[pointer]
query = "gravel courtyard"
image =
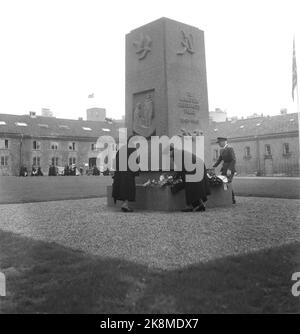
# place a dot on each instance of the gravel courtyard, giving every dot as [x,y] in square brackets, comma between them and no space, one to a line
[157,239]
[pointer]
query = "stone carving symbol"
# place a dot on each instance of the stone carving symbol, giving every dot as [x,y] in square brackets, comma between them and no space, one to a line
[143,116]
[187,43]
[143,46]
[144,113]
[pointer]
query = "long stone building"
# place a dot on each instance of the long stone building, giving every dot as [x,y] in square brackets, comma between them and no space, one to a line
[264,145]
[39,141]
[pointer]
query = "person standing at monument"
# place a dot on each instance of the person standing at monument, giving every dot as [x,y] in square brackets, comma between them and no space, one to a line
[124,188]
[227,155]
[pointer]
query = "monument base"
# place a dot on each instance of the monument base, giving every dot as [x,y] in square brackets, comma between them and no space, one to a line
[161,199]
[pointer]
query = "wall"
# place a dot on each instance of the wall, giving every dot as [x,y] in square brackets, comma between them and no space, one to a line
[82,153]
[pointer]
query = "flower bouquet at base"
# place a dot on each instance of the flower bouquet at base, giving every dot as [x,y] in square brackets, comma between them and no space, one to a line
[174,181]
[216,180]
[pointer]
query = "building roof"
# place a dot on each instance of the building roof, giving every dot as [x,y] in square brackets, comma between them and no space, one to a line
[41,126]
[258,126]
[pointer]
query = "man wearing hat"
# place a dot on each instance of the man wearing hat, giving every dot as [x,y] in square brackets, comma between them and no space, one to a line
[228,157]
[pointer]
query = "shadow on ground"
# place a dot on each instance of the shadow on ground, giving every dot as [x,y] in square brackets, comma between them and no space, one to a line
[49,278]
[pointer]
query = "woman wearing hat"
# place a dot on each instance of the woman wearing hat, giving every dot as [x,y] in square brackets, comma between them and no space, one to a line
[124,188]
[227,155]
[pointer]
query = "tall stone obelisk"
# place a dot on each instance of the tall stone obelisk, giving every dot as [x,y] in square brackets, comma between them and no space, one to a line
[166,86]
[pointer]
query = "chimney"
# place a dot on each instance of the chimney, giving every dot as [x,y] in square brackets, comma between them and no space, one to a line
[46,112]
[283,111]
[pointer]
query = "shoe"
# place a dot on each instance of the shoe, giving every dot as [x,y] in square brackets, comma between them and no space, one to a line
[188,209]
[200,208]
[126,209]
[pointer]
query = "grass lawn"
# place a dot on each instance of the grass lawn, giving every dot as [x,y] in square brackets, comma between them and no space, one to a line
[49,278]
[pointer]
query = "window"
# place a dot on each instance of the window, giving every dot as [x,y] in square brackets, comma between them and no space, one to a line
[2,123]
[247,152]
[4,144]
[66,127]
[36,145]
[86,128]
[268,149]
[72,146]
[216,154]
[43,125]
[105,129]
[54,146]
[36,161]
[93,147]
[4,160]
[72,161]
[55,161]
[286,149]
[21,124]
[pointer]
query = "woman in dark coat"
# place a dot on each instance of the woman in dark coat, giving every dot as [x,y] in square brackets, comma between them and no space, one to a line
[124,182]
[196,192]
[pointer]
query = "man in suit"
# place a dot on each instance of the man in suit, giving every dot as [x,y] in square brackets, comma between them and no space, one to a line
[227,155]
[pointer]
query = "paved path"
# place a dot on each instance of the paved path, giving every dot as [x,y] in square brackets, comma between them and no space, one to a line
[161,240]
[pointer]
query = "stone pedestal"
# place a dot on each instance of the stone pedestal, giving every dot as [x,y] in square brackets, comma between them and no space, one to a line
[161,199]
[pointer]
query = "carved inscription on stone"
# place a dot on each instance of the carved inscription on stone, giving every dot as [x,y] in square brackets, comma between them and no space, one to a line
[189,109]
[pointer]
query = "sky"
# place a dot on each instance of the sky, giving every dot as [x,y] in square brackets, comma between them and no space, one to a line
[55,53]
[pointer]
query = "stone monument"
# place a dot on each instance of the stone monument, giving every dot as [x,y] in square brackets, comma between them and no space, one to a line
[166,87]
[166,91]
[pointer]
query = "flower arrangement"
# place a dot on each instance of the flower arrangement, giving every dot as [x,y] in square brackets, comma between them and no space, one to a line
[164,180]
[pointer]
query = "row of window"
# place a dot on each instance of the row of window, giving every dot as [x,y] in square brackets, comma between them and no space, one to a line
[36,145]
[268,151]
[36,161]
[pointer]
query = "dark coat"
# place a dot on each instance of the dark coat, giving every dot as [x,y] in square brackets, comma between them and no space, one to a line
[124,181]
[194,191]
[228,157]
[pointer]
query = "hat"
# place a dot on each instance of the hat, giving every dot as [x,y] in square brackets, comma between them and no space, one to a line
[221,139]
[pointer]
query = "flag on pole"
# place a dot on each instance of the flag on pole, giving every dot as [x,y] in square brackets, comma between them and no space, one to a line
[294,83]
[91,96]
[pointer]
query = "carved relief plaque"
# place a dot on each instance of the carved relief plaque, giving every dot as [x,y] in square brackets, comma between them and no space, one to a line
[144,113]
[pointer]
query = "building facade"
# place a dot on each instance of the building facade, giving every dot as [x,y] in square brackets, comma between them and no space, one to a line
[263,145]
[37,141]
[266,146]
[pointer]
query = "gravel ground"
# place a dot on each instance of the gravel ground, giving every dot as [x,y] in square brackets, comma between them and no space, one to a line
[157,239]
